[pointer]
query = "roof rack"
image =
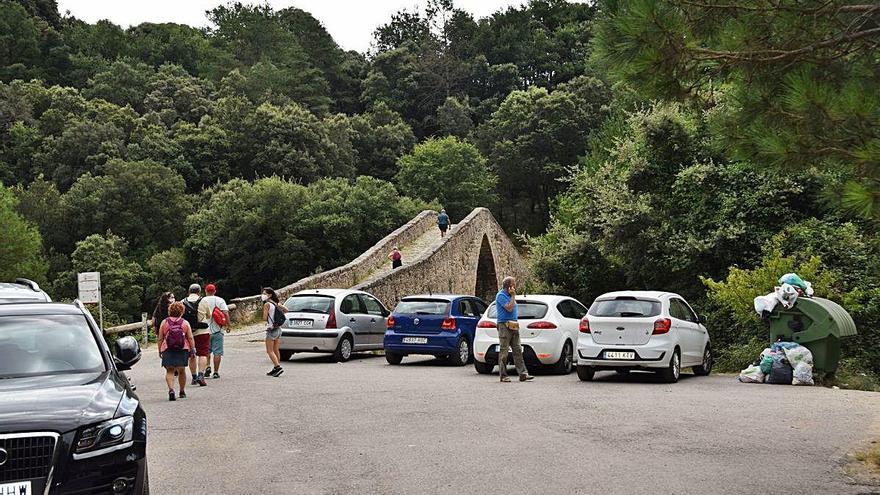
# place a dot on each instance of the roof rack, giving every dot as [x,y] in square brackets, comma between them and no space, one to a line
[30,283]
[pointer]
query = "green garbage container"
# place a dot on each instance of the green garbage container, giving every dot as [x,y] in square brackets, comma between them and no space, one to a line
[817,324]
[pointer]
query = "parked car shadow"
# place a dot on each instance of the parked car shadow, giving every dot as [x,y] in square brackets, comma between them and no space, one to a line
[635,377]
[315,357]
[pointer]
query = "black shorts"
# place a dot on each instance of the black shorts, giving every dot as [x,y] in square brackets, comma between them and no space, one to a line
[443,228]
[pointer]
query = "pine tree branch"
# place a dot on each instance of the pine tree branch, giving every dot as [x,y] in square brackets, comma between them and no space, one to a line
[779,55]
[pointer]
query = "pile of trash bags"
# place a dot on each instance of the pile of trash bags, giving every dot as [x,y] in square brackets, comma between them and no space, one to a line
[783,363]
[791,286]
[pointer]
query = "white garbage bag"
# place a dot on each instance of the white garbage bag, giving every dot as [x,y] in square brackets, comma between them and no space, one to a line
[752,374]
[787,295]
[766,303]
[810,291]
[799,354]
[803,374]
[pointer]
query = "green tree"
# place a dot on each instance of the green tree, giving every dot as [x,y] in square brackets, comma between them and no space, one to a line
[143,201]
[122,278]
[532,141]
[454,119]
[380,137]
[791,83]
[21,249]
[449,171]
[165,272]
[122,83]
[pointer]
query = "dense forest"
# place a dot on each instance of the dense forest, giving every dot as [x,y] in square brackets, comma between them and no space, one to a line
[700,148]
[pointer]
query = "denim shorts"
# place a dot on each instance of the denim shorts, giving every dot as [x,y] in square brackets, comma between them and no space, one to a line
[273,333]
[217,344]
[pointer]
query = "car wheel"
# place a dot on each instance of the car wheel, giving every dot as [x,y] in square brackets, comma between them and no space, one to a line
[708,360]
[460,358]
[586,373]
[393,357]
[671,373]
[343,349]
[285,355]
[483,368]
[566,360]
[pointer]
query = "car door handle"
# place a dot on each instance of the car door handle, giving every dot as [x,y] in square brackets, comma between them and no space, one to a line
[372,320]
[621,328]
[352,320]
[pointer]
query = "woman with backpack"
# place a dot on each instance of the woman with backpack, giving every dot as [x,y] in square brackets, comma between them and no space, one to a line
[176,344]
[274,317]
[161,311]
[396,258]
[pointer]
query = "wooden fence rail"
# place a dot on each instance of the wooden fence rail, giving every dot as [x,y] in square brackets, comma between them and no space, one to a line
[144,326]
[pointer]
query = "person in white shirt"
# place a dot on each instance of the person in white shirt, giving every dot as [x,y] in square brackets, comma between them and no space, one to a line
[206,312]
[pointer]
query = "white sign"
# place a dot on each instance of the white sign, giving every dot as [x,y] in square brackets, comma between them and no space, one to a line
[90,287]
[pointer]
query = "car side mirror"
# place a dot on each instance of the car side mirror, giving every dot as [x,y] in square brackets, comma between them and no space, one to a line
[128,353]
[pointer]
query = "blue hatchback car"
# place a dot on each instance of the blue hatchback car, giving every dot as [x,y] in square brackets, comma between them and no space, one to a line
[438,325]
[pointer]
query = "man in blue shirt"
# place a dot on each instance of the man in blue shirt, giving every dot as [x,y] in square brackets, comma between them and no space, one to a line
[443,222]
[508,331]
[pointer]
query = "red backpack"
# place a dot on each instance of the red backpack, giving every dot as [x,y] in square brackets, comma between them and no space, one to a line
[175,335]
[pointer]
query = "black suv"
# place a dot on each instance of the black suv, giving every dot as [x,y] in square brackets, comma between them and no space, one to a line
[69,420]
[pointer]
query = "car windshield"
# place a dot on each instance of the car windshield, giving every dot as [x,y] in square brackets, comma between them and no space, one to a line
[47,345]
[310,303]
[528,310]
[625,307]
[422,307]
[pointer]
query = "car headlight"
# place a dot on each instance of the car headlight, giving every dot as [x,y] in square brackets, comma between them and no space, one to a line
[104,435]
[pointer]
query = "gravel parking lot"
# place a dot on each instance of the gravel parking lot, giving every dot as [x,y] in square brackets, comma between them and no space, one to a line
[425,427]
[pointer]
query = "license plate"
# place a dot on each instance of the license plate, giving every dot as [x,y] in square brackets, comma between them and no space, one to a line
[301,323]
[625,356]
[19,488]
[415,340]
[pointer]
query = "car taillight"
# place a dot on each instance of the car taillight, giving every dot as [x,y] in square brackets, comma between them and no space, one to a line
[584,326]
[390,322]
[331,320]
[486,324]
[542,325]
[448,324]
[662,326]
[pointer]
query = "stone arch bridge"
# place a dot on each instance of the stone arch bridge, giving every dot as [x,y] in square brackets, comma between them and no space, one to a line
[472,259]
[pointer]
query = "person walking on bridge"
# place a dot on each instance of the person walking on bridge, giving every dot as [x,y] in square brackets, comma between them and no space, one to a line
[396,258]
[508,331]
[214,310]
[443,222]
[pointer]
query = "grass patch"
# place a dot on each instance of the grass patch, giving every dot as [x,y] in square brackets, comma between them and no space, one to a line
[736,358]
[853,377]
[870,456]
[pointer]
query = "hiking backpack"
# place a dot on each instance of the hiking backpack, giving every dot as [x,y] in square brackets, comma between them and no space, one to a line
[175,336]
[278,316]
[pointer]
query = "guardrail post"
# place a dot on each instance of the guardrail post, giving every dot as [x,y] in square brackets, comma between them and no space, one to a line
[145,327]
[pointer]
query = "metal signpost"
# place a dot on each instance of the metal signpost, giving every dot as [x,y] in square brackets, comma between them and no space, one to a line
[90,292]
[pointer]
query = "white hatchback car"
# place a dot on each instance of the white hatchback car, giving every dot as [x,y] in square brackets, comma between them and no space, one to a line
[548,332]
[640,330]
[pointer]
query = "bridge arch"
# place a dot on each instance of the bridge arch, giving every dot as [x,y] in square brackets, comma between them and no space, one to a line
[486,283]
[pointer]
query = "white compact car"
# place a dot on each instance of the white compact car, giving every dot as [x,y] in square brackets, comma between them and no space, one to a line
[548,327]
[639,330]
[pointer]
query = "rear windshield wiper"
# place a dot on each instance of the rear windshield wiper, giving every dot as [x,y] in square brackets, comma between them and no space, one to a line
[630,314]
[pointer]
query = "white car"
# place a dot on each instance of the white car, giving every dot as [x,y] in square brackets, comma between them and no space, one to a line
[640,330]
[548,327]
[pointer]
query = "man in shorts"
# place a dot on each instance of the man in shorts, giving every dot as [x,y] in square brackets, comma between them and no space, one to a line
[206,313]
[201,335]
